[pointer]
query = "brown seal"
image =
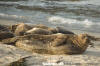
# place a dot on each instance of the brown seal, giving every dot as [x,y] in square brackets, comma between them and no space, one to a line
[63,30]
[55,43]
[38,31]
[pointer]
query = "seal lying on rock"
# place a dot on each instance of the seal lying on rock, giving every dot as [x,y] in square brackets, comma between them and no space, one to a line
[39,31]
[63,30]
[53,44]
[44,30]
[21,29]
[55,30]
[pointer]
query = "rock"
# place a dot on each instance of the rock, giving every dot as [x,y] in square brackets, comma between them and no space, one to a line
[5,32]
[20,62]
[4,28]
[5,35]
[91,55]
[21,29]
[54,44]
[10,41]
[34,60]
[9,54]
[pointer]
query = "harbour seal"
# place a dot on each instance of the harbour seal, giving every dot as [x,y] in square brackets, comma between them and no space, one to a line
[38,31]
[63,30]
[54,43]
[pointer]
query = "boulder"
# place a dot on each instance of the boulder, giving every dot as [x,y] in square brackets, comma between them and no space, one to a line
[4,28]
[5,32]
[13,56]
[10,54]
[5,35]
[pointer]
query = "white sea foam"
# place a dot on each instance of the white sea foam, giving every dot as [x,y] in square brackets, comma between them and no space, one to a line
[61,20]
[9,3]
[11,16]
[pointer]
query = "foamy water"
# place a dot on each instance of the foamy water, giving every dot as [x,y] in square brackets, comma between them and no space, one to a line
[61,20]
[79,15]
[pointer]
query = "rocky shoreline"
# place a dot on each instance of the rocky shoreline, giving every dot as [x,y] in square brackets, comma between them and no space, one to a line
[41,40]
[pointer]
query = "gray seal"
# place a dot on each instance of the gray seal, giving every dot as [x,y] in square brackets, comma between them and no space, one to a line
[63,30]
[38,31]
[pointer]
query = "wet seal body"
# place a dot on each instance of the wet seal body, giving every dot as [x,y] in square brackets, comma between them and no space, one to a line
[39,31]
[53,44]
[63,30]
[45,40]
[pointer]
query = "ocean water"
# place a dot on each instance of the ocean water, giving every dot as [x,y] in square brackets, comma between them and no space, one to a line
[72,14]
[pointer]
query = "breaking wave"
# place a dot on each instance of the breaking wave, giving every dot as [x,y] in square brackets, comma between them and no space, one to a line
[7,16]
[60,20]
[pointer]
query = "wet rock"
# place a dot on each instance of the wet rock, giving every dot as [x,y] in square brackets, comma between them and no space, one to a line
[4,28]
[34,60]
[9,54]
[10,41]
[12,56]
[5,35]
[20,62]
[5,32]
